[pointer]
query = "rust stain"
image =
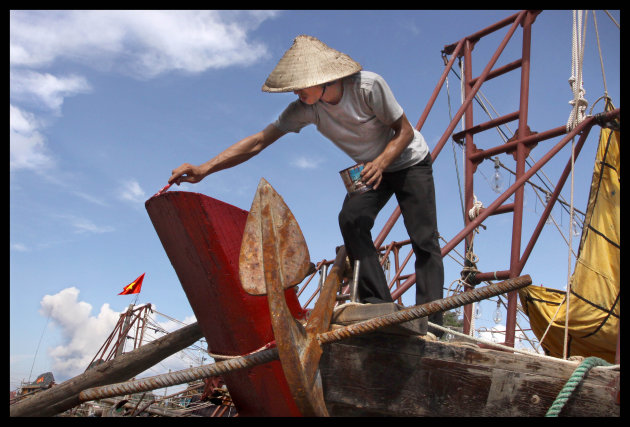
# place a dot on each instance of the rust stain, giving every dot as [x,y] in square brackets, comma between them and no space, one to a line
[289,244]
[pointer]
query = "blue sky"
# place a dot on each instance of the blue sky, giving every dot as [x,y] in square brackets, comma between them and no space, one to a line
[104,104]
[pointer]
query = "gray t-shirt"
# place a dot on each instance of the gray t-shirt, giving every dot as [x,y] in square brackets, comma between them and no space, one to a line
[359,124]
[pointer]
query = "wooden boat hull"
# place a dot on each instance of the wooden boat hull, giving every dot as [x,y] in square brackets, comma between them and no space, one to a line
[371,375]
[202,238]
[389,375]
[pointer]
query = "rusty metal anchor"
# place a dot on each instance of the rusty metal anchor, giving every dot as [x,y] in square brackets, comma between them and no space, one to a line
[273,257]
[269,212]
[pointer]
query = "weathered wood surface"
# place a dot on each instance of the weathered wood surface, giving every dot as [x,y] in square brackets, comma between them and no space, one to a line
[66,395]
[388,375]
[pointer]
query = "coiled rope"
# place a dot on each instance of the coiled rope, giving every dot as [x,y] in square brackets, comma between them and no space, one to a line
[575,379]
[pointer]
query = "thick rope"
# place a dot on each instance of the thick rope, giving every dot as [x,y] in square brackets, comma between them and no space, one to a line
[575,379]
[423,310]
[259,357]
[179,377]
[476,208]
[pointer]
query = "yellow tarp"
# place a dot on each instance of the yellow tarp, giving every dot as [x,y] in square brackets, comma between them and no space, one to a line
[594,303]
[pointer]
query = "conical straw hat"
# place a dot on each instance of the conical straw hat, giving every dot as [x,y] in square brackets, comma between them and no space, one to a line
[309,62]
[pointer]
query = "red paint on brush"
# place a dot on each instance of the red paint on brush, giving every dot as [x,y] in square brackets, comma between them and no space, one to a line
[163,190]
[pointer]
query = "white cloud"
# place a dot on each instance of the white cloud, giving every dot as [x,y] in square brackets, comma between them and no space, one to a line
[19,247]
[140,43]
[44,89]
[84,225]
[82,333]
[27,147]
[22,122]
[146,43]
[90,198]
[131,191]
[305,163]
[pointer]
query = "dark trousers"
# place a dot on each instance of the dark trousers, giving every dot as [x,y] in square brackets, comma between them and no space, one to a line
[415,193]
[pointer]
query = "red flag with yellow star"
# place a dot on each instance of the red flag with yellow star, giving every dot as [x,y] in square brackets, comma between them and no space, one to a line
[133,287]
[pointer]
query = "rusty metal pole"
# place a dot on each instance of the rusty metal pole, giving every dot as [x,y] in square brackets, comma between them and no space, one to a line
[469,169]
[438,87]
[586,124]
[519,195]
[455,52]
[475,88]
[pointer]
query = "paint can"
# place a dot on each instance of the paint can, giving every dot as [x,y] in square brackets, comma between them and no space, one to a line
[352,180]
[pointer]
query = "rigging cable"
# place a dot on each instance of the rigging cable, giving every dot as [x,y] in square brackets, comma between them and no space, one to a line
[612,19]
[450,115]
[601,61]
[505,138]
[577,115]
[471,259]
[40,341]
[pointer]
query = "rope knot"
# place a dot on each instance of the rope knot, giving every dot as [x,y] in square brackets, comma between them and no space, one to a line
[474,211]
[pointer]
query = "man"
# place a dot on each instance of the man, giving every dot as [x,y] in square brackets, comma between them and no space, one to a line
[357,111]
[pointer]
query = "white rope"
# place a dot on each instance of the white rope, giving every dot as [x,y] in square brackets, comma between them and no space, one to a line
[472,214]
[476,208]
[270,344]
[578,103]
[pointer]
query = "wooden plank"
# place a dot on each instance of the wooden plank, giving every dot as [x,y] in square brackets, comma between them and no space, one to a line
[390,375]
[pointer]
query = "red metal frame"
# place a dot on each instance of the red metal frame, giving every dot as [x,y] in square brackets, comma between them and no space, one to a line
[116,340]
[519,146]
